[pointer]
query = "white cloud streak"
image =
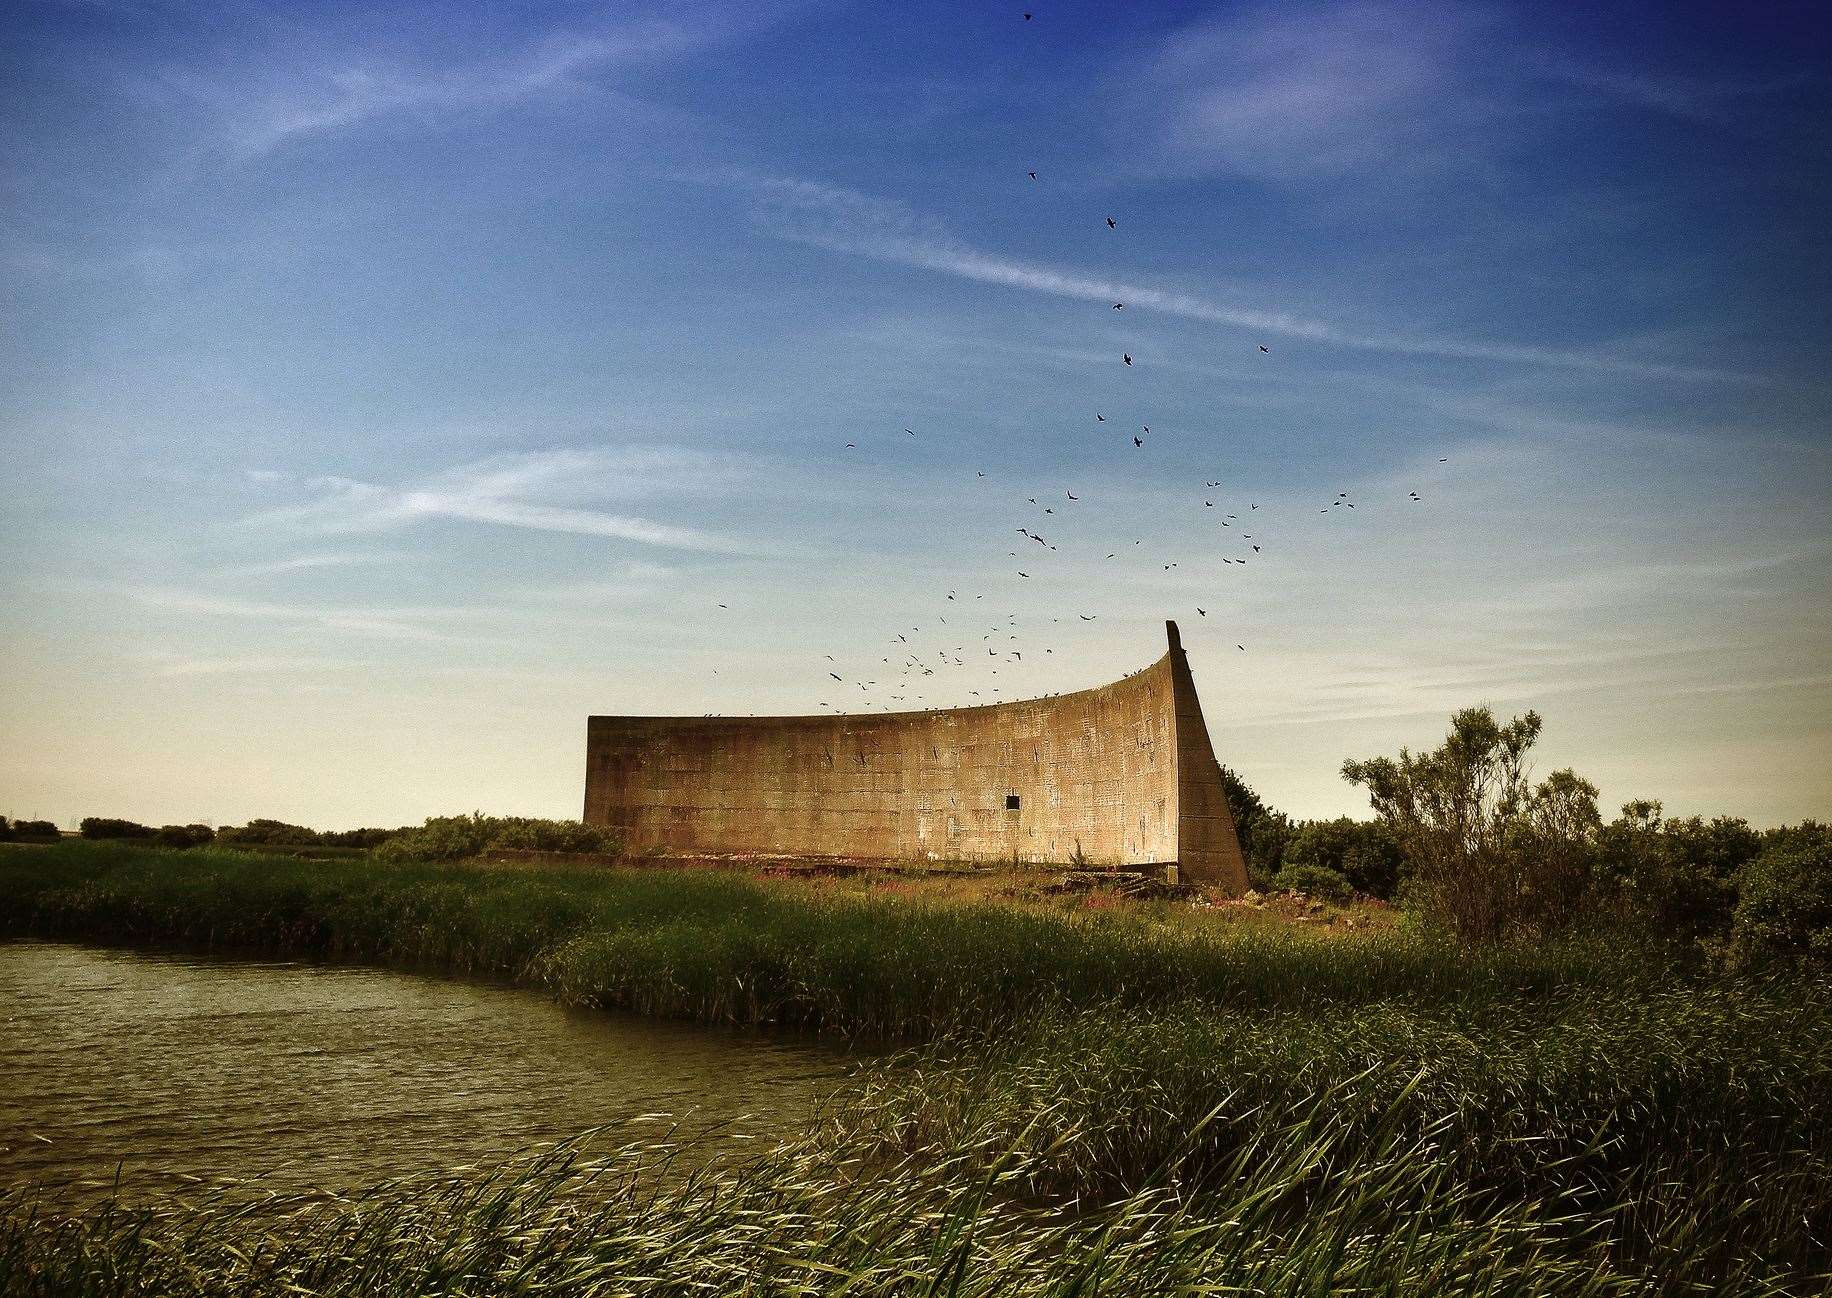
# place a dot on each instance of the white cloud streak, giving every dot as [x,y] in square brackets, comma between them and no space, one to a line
[842,220]
[254,119]
[308,562]
[547,491]
[380,624]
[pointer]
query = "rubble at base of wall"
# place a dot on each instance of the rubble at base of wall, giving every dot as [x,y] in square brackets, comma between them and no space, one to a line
[1132,879]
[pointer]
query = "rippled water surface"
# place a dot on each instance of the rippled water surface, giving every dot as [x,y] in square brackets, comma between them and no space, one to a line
[179,1067]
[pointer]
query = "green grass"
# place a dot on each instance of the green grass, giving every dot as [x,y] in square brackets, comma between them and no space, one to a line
[724,947]
[1121,1102]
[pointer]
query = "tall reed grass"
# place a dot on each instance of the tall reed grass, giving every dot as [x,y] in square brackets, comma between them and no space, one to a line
[1102,1104]
[719,946]
[1309,1208]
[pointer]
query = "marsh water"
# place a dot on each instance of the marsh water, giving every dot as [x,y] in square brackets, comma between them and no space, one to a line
[175,1069]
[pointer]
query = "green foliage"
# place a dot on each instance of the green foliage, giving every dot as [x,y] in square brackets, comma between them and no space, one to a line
[724,947]
[1675,877]
[104,827]
[1262,831]
[1364,852]
[263,832]
[364,838]
[1494,854]
[452,838]
[1784,916]
[35,829]
[1315,880]
[183,836]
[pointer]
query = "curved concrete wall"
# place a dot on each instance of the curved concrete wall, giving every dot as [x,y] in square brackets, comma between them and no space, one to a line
[1124,774]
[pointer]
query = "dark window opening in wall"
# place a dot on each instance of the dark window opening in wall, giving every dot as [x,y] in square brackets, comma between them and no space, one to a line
[1011,802]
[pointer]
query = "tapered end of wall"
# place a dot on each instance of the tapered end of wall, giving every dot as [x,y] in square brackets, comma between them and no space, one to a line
[1208,847]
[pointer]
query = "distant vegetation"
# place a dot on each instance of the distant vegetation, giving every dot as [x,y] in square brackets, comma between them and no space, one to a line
[15,830]
[452,838]
[441,838]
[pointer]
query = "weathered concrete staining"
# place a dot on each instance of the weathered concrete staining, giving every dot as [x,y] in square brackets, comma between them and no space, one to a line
[1123,774]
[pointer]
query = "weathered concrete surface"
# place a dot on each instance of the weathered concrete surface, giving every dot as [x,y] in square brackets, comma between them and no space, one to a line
[1124,774]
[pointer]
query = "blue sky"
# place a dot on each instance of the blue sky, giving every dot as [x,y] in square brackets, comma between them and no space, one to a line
[384,390]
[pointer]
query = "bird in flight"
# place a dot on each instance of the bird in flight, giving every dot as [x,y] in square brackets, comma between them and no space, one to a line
[1071,495]
[1119,306]
[1137,442]
[1112,224]
[1127,356]
[1033,175]
[910,431]
[1086,617]
[1241,647]
[851,446]
[1100,419]
[1202,612]
[1265,349]
[835,675]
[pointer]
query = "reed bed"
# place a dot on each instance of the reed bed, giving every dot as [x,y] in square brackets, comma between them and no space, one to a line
[1688,1128]
[1110,1103]
[723,947]
[809,1219]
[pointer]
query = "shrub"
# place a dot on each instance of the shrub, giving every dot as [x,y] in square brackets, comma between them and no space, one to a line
[1676,877]
[369,838]
[1495,855]
[104,827]
[1784,917]
[451,838]
[1262,831]
[1317,880]
[182,836]
[260,832]
[1364,852]
[35,829]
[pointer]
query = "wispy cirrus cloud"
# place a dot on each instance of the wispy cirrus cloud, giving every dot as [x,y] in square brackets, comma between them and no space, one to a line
[1305,91]
[846,221]
[309,562]
[1301,91]
[181,666]
[561,490]
[300,93]
[383,624]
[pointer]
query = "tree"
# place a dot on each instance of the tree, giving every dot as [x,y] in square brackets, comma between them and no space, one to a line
[1784,916]
[1493,853]
[1364,852]
[1262,831]
[1677,877]
[106,827]
[262,832]
[183,836]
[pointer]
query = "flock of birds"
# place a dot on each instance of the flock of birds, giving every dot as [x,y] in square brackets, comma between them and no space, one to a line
[949,646]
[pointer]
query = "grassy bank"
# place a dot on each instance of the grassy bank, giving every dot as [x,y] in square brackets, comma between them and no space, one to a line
[718,946]
[1127,1101]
